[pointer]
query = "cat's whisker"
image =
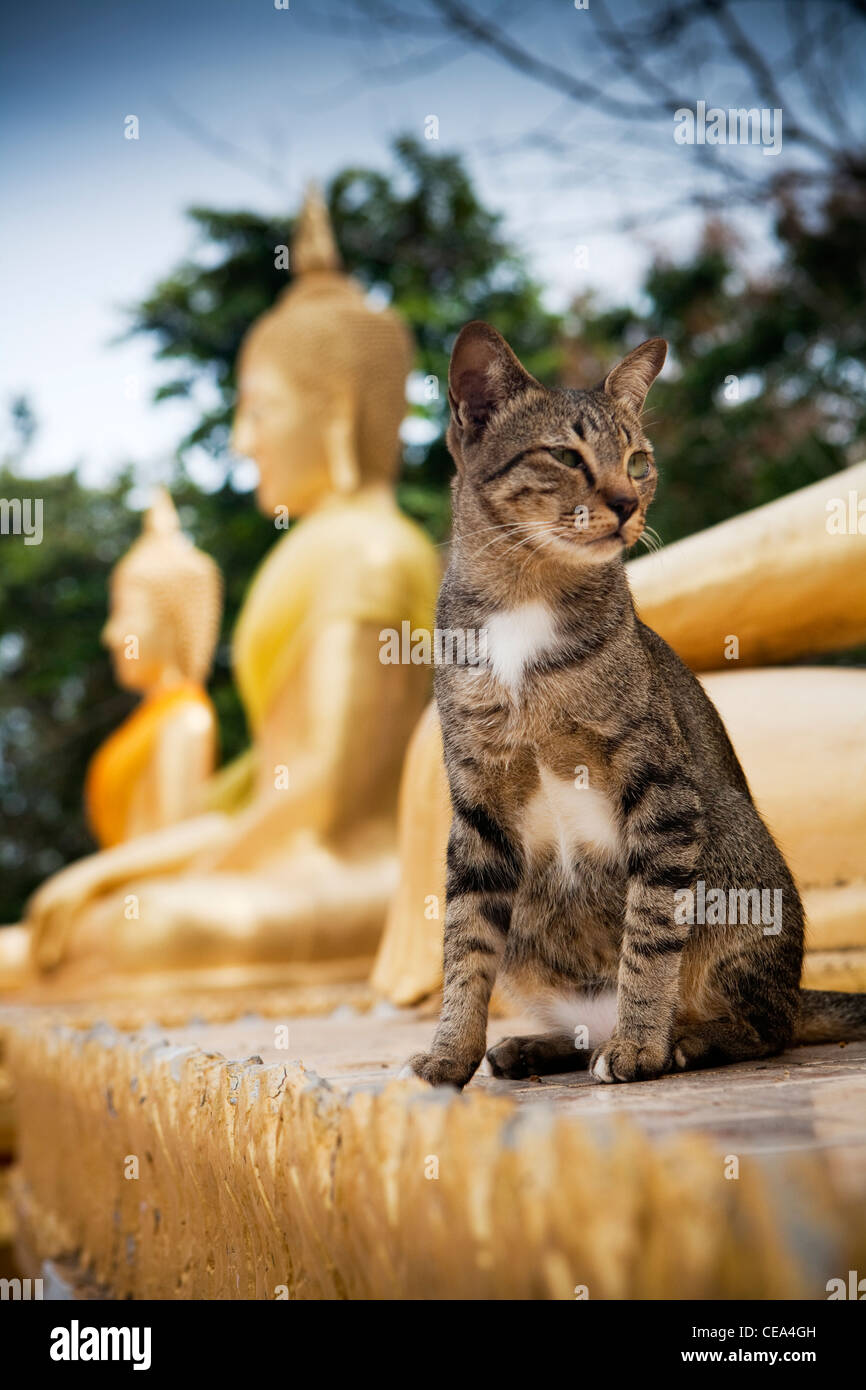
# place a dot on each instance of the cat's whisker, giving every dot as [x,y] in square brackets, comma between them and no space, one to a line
[500,526]
[524,540]
[503,526]
[515,526]
[506,526]
[536,534]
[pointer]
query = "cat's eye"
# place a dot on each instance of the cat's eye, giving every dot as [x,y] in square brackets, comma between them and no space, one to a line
[570,457]
[638,465]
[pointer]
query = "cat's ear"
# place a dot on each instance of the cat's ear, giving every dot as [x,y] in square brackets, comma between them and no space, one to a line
[484,373]
[632,378]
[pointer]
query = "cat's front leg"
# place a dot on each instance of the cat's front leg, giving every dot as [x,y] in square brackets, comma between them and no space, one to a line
[663,825]
[479,897]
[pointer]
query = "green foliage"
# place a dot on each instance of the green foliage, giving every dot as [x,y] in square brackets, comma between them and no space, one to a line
[57,697]
[794,343]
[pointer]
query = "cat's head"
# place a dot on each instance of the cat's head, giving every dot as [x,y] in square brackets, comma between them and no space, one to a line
[569,473]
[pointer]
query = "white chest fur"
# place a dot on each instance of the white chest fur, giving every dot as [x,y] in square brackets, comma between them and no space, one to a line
[516,637]
[571,1010]
[570,819]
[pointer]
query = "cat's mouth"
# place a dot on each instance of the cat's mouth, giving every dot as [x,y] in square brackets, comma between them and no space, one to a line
[615,534]
[610,536]
[599,549]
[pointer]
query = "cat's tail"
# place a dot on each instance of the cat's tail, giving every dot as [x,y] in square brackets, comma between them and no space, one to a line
[829,1015]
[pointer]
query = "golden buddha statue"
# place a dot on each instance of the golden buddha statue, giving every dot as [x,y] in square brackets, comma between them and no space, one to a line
[294,882]
[164,616]
[166,600]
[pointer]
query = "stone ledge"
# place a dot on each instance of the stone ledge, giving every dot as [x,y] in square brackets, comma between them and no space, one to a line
[260,1177]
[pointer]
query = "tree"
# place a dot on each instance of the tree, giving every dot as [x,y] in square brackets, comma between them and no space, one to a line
[767,391]
[417,236]
[620,75]
[58,699]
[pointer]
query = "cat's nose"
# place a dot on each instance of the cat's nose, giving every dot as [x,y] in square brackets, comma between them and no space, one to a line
[623,505]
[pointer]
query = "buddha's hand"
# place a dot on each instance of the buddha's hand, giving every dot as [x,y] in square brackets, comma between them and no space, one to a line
[52,908]
[52,911]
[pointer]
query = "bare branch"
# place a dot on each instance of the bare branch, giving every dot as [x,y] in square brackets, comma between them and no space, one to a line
[221,148]
[466,21]
[757,65]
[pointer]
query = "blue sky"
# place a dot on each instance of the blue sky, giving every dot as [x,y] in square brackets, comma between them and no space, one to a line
[92,220]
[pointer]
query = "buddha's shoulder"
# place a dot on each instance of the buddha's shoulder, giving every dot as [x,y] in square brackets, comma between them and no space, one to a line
[358,560]
[367,539]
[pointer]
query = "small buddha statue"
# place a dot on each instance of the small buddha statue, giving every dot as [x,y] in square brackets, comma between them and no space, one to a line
[164,616]
[166,600]
[293,881]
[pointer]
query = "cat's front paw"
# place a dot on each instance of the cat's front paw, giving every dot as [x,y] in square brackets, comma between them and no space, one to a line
[440,1070]
[622,1060]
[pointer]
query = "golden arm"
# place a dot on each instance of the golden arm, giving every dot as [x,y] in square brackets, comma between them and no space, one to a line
[331,751]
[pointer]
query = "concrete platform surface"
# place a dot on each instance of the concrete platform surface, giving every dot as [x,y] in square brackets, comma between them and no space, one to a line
[810,1098]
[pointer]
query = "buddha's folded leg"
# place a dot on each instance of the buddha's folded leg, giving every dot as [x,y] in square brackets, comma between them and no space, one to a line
[315,911]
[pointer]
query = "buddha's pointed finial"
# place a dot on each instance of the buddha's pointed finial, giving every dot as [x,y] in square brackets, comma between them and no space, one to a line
[313,245]
[161,519]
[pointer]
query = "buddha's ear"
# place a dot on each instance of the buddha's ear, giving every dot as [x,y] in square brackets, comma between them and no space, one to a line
[483,375]
[343,467]
[630,381]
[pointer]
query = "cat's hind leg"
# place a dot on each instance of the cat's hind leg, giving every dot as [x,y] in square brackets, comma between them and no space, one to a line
[717,1042]
[541,1054]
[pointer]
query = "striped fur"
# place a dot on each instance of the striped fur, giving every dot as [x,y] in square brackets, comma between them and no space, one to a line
[591,778]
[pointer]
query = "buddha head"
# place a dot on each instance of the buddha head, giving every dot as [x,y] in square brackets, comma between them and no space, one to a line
[165,606]
[322,380]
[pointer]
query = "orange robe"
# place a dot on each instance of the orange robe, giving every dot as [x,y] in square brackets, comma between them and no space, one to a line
[116,769]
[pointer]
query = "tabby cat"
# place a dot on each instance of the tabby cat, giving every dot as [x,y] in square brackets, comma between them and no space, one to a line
[594,788]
